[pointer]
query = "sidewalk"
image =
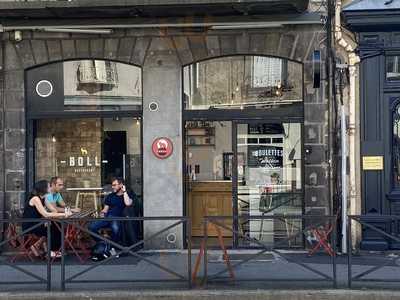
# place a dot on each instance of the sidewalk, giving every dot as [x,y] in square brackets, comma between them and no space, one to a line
[277,271]
[212,295]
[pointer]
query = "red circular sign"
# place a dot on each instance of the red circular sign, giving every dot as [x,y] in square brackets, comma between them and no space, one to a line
[162,147]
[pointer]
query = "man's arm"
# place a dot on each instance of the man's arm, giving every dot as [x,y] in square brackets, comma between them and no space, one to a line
[127,200]
[51,206]
[104,211]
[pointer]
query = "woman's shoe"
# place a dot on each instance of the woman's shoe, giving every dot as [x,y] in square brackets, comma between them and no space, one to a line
[55,254]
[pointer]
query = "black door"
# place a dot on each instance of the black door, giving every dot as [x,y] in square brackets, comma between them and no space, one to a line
[114,155]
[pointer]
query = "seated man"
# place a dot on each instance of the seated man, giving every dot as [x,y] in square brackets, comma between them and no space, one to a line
[114,205]
[53,200]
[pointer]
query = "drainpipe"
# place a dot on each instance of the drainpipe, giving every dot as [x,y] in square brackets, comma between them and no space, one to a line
[353,59]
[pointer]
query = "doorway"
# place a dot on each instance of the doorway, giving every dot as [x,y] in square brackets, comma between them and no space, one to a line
[114,155]
[244,168]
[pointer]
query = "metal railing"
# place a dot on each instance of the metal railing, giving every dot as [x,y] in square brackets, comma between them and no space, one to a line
[310,222]
[123,249]
[370,222]
[22,240]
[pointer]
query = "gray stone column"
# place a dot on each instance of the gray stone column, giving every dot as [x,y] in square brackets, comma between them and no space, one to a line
[162,178]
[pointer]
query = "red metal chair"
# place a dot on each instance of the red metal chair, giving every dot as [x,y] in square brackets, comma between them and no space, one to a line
[20,243]
[321,236]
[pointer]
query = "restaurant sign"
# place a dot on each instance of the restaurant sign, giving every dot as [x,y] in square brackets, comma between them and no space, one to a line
[162,147]
[265,156]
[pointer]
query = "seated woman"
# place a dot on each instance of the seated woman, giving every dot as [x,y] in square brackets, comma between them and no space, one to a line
[35,209]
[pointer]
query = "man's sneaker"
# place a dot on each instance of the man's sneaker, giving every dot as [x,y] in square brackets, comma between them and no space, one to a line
[94,258]
[113,252]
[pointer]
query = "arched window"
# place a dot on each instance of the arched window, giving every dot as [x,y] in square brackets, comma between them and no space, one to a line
[241,82]
[84,85]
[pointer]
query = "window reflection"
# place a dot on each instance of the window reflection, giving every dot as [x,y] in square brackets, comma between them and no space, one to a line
[270,180]
[392,68]
[101,83]
[241,82]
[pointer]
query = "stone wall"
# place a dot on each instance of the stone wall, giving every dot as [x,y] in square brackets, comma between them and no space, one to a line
[161,53]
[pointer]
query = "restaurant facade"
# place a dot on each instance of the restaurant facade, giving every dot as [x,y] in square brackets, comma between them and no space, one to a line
[202,115]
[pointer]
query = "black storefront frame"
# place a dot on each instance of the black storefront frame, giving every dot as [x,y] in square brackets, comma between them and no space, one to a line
[31,118]
[293,113]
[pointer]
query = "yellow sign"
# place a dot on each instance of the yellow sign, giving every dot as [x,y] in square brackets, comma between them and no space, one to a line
[372,162]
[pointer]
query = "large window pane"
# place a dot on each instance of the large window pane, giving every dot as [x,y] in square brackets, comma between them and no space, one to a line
[270,180]
[241,82]
[87,153]
[93,83]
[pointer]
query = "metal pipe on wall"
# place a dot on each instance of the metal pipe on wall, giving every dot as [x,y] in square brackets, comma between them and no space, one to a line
[353,59]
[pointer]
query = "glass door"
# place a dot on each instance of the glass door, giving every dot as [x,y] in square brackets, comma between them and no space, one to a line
[268,159]
[208,176]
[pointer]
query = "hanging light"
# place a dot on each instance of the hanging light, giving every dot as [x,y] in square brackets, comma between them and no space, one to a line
[137,122]
[53,138]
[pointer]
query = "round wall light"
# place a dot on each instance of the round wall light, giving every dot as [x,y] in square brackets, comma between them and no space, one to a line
[153,106]
[44,88]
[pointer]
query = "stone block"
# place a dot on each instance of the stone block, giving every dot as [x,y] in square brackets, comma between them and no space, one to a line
[126,49]
[198,46]
[14,80]
[271,43]
[242,43]
[315,113]
[316,198]
[97,48]
[40,51]
[316,176]
[213,45]
[15,119]
[228,44]
[14,99]
[55,51]
[315,154]
[25,54]
[15,200]
[183,49]
[111,48]
[82,48]
[68,49]
[286,44]
[140,50]
[13,61]
[15,139]
[15,181]
[312,134]
[15,160]
[257,43]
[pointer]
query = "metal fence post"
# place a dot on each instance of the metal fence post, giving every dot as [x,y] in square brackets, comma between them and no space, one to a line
[205,258]
[334,245]
[48,254]
[62,257]
[189,245]
[349,253]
